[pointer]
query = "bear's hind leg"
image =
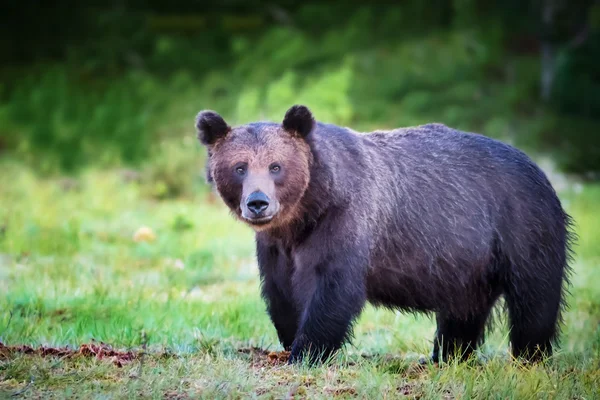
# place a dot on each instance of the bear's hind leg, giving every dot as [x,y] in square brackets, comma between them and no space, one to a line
[455,336]
[533,321]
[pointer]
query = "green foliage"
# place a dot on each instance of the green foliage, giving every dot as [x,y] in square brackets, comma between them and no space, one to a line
[177,169]
[113,100]
[574,127]
[327,92]
[71,125]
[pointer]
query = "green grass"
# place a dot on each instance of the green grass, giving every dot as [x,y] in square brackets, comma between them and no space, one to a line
[70,273]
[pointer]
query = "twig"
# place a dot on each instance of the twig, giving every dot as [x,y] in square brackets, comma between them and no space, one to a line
[26,388]
[60,359]
[142,353]
[10,315]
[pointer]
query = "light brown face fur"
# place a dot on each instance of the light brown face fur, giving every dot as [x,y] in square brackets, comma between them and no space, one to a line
[261,158]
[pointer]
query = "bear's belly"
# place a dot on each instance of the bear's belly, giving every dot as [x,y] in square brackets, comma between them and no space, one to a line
[431,288]
[396,290]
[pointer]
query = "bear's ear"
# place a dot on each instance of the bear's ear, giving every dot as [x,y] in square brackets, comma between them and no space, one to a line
[211,127]
[298,119]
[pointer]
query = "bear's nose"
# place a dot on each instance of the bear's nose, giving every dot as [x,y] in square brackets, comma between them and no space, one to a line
[257,202]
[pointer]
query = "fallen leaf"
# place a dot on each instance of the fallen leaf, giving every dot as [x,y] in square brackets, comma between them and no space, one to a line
[144,234]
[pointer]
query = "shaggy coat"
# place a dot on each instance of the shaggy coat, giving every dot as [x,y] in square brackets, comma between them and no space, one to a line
[423,219]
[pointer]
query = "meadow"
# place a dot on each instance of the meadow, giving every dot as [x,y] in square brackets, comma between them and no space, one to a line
[98,260]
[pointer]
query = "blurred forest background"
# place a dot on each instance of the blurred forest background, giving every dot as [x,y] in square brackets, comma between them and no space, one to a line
[118,83]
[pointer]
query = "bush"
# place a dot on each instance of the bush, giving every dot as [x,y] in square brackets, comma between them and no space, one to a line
[374,68]
[175,170]
[59,123]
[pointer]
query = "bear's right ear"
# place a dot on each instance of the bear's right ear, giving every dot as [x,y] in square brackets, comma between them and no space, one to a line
[211,127]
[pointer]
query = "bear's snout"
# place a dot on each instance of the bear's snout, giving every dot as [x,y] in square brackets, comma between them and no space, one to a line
[258,208]
[257,202]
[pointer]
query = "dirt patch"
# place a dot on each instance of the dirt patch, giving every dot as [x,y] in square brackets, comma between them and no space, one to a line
[278,357]
[264,358]
[103,351]
[406,389]
[99,351]
[175,395]
[339,390]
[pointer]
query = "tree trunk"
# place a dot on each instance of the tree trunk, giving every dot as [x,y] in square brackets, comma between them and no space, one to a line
[548,50]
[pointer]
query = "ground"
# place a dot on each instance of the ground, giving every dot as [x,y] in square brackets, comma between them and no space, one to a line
[134,297]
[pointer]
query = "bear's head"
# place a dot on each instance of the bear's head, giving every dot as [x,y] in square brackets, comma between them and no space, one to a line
[260,170]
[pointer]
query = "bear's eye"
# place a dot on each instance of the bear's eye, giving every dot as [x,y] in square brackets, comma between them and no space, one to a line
[240,169]
[275,168]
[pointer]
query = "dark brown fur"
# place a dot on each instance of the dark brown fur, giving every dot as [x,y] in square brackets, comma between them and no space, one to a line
[421,219]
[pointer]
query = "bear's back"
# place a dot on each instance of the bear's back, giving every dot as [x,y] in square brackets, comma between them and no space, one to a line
[442,201]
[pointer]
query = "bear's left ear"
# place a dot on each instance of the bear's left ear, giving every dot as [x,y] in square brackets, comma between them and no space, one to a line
[298,119]
[211,127]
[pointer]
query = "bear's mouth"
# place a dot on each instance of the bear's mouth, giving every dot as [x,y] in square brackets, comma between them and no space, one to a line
[259,220]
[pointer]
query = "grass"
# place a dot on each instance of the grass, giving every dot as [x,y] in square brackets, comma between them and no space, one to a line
[71,272]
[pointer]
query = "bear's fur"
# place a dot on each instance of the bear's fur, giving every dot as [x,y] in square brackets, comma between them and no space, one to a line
[423,219]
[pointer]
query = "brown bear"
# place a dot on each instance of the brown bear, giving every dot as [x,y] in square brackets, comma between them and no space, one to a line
[422,219]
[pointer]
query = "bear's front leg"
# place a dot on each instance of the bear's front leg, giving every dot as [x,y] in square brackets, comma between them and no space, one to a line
[275,272]
[332,291]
